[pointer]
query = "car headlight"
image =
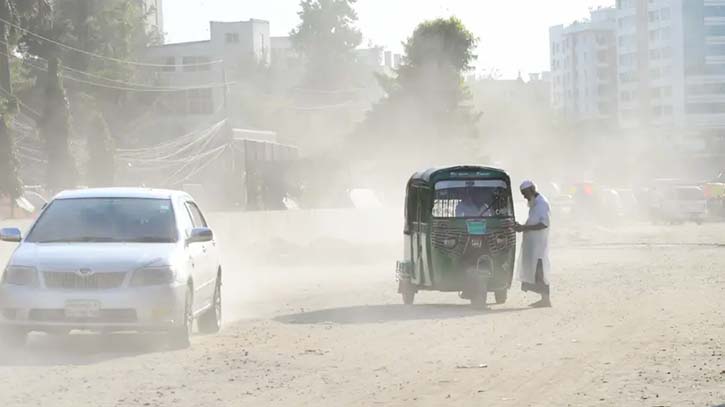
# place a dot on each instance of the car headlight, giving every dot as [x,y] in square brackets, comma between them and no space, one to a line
[153,276]
[21,276]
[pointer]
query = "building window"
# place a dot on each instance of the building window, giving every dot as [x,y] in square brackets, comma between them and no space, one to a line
[194,64]
[170,65]
[665,14]
[715,31]
[232,38]
[706,89]
[706,108]
[714,11]
[660,111]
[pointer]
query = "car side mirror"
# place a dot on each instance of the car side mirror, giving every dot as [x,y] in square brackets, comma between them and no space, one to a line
[200,235]
[11,235]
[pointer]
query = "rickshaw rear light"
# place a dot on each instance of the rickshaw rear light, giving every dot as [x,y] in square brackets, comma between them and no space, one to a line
[449,243]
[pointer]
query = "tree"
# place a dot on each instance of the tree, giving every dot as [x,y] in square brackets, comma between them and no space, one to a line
[101,167]
[426,106]
[10,11]
[55,122]
[327,38]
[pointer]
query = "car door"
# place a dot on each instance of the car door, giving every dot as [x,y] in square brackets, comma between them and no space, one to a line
[207,267]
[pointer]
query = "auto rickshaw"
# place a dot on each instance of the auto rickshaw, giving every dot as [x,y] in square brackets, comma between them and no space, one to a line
[459,234]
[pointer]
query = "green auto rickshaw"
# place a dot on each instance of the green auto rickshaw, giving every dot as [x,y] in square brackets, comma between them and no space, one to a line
[459,234]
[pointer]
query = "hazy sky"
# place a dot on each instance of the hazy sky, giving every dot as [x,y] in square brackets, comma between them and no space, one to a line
[513,33]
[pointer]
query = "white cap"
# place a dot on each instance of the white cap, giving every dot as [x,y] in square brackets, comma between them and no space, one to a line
[527,184]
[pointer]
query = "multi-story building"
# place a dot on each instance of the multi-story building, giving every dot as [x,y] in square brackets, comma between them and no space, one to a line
[671,64]
[583,68]
[205,69]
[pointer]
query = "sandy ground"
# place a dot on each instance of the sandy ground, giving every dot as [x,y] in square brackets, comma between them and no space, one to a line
[638,321]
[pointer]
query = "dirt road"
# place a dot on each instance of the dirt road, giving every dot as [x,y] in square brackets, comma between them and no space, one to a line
[638,321]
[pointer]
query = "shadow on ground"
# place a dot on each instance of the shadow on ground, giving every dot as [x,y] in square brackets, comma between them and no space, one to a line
[80,349]
[369,314]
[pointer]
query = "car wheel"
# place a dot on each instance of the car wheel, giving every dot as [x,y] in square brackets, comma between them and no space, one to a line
[180,337]
[211,321]
[407,291]
[501,296]
[13,337]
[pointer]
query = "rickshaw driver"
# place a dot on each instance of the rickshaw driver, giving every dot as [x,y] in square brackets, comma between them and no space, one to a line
[468,208]
[534,265]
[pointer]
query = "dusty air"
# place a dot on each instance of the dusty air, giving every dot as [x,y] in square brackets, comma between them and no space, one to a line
[360,203]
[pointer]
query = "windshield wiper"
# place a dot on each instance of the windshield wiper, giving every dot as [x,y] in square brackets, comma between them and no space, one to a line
[151,239]
[82,239]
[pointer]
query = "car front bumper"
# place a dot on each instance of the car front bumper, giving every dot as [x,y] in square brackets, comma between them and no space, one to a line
[123,309]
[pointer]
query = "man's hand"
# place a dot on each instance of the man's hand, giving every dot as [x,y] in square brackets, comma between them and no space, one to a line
[518,227]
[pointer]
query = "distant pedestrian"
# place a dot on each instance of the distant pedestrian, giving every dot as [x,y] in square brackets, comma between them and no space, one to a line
[534,265]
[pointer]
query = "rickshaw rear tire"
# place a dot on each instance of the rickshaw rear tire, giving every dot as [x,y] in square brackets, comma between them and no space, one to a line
[501,296]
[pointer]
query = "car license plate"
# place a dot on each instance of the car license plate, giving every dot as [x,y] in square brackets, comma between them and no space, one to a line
[82,309]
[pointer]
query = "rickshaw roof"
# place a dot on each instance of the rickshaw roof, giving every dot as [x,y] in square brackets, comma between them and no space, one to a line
[432,175]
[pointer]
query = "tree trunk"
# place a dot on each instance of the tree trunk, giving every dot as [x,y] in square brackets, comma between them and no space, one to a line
[9,181]
[5,82]
[55,130]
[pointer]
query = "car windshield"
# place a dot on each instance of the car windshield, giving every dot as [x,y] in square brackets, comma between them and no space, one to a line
[472,199]
[106,220]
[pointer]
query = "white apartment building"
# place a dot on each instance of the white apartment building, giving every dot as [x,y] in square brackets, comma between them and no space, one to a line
[671,65]
[583,68]
[208,68]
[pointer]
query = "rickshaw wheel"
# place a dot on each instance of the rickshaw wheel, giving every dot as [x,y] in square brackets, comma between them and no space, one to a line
[501,296]
[407,291]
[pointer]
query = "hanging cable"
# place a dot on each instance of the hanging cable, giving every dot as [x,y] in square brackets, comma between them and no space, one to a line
[120,61]
[127,89]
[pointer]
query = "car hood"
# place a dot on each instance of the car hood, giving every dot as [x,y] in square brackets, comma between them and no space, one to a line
[109,257]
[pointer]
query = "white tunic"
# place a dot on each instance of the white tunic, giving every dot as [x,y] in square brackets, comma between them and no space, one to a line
[535,244]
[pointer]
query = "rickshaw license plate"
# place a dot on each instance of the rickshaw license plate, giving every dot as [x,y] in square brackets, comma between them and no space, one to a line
[82,309]
[476,228]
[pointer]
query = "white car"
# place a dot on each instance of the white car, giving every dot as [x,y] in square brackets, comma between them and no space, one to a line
[680,204]
[113,260]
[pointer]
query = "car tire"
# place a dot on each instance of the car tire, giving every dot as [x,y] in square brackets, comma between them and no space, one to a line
[13,337]
[180,337]
[407,291]
[501,296]
[211,321]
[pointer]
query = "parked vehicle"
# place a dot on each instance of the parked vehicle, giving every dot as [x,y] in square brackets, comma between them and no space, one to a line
[680,203]
[113,260]
[458,234]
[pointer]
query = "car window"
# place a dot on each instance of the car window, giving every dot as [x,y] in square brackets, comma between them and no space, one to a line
[106,220]
[196,216]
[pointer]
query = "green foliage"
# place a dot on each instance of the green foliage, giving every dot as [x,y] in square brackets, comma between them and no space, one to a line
[427,101]
[327,38]
[10,184]
[101,150]
[115,28]
[55,130]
